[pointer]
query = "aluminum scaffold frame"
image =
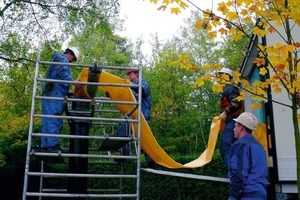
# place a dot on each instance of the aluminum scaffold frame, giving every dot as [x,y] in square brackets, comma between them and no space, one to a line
[81,119]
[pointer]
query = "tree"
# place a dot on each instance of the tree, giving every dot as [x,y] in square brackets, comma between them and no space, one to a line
[36,21]
[173,88]
[23,25]
[281,60]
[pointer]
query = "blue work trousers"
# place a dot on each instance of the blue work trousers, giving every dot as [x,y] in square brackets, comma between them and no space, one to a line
[51,125]
[126,150]
[227,138]
[124,131]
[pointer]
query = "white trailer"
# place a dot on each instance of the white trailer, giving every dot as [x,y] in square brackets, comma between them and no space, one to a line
[281,140]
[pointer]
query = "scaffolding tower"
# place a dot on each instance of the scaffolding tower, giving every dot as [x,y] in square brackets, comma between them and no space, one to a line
[88,139]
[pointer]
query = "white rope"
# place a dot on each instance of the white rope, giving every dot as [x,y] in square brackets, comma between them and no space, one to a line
[184,175]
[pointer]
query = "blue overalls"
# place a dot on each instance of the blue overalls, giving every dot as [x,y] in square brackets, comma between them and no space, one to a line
[233,109]
[54,107]
[145,107]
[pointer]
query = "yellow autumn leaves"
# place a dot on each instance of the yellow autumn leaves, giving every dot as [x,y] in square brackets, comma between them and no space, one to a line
[281,60]
[174,10]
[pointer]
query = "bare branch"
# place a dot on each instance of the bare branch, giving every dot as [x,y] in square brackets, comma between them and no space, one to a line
[16,60]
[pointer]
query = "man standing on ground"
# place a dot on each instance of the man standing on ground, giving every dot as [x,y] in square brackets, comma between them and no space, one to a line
[230,107]
[56,89]
[247,162]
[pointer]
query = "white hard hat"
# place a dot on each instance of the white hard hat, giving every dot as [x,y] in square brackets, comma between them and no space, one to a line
[248,120]
[75,51]
[226,71]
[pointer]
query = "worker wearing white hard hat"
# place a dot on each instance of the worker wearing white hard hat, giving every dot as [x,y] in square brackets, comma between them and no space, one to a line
[74,52]
[227,71]
[247,162]
[248,120]
[56,89]
[231,107]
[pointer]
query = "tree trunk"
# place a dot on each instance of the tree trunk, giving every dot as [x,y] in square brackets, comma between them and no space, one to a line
[297,143]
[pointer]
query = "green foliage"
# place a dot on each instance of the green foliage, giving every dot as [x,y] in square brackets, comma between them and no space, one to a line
[155,186]
[106,48]
[16,82]
[152,186]
[42,19]
[232,52]
[170,100]
[180,116]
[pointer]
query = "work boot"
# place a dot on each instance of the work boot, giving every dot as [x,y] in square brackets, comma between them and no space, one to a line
[119,160]
[38,148]
[55,149]
[151,164]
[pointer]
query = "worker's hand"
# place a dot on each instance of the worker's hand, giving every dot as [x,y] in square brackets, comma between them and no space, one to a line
[223,115]
[234,104]
[127,81]
[78,86]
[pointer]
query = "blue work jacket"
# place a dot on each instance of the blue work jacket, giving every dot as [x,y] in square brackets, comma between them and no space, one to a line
[59,72]
[146,98]
[247,165]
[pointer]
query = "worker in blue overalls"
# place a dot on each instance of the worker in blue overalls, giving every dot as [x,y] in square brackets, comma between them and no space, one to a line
[56,89]
[133,76]
[230,107]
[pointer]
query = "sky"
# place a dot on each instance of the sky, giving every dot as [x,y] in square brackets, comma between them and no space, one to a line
[142,19]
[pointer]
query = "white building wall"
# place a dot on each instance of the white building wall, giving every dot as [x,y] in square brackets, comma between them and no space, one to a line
[284,134]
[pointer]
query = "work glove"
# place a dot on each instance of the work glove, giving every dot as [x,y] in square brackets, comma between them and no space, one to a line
[234,104]
[223,115]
